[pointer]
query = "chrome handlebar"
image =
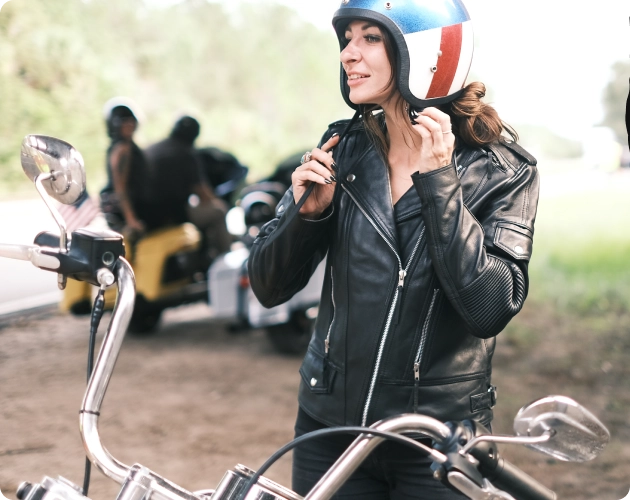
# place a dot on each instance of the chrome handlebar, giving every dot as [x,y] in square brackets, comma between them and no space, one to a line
[31,253]
[138,481]
[103,369]
[361,447]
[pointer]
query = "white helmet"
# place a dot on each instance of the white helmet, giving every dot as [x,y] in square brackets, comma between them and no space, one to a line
[117,109]
[433,40]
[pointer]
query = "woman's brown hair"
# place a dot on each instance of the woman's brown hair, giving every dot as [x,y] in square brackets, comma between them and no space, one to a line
[475,122]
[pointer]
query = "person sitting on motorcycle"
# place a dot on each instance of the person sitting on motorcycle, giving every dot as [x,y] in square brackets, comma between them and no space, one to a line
[424,212]
[176,173]
[125,200]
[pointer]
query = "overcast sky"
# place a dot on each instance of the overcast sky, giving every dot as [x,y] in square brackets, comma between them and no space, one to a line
[547,61]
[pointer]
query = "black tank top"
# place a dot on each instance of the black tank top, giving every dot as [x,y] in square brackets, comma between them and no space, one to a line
[138,181]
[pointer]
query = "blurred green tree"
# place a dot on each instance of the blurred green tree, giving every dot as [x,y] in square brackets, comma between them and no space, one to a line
[262,82]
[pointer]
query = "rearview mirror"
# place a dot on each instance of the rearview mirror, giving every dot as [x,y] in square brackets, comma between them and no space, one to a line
[61,165]
[576,434]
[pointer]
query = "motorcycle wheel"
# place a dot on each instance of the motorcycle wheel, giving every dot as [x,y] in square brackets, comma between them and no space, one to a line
[144,318]
[292,337]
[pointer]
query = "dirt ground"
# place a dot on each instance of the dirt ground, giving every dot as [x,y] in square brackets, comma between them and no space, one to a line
[192,401]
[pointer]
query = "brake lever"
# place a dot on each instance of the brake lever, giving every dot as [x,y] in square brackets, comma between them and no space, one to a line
[472,490]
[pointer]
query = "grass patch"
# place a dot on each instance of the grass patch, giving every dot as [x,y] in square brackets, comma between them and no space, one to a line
[581,258]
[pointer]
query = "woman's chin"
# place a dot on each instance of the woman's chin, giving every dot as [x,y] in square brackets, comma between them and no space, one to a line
[358,100]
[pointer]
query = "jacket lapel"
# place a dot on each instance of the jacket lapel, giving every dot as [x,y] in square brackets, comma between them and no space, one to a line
[367,182]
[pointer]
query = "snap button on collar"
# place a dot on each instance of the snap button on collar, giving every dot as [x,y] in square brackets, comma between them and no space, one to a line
[313,382]
[351,178]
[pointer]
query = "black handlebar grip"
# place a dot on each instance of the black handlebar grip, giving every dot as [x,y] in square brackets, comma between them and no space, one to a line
[512,480]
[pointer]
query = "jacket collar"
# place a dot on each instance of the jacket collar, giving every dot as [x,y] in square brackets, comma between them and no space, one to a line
[364,175]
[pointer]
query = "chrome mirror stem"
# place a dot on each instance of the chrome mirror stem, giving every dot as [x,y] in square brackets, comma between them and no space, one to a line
[63,231]
[507,439]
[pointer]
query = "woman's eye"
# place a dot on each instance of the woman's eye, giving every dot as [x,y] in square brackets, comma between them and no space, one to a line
[372,38]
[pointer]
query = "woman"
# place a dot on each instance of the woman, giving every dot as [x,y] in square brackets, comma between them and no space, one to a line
[426,224]
[125,199]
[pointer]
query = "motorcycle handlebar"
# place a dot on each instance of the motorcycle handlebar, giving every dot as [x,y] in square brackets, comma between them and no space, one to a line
[512,480]
[103,369]
[504,476]
[31,253]
[363,445]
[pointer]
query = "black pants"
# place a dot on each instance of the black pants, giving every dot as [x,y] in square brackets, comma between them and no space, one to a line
[393,471]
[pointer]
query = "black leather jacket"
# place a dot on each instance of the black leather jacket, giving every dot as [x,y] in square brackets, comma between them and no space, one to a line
[418,336]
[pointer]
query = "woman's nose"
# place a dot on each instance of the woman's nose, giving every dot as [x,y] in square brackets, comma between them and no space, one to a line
[349,54]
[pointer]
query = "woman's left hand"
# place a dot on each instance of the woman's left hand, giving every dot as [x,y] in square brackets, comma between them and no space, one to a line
[438,141]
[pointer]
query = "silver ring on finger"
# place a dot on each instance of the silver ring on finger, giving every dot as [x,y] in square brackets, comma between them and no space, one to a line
[306,157]
[450,130]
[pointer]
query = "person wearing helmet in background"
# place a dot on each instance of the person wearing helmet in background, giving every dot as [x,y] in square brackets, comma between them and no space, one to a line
[424,211]
[125,199]
[176,171]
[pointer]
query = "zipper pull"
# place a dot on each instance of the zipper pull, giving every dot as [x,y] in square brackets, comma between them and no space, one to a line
[401,278]
[326,345]
[416,376]
[401,283]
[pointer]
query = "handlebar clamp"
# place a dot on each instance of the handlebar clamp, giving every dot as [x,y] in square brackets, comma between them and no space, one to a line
[50,489]
[90,251]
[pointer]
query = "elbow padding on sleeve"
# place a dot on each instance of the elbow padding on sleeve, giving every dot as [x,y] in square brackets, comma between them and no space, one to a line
[496,296]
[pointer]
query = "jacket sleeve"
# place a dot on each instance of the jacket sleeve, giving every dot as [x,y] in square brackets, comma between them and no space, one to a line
[289,248]
[481,263]
[286,253]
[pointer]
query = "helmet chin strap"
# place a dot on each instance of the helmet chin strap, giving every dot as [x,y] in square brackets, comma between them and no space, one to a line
[310,188]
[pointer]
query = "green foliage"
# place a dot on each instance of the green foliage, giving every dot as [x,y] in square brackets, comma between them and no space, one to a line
[263,83]
[614,100]
[581,258]
[544,141]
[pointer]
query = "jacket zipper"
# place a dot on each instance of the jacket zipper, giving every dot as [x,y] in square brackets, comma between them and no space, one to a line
[402,274]
[423,341]
[332,296]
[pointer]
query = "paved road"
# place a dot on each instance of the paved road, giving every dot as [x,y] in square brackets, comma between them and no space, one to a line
[22,285]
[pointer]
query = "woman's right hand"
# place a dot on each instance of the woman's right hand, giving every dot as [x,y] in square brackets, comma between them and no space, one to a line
[320,171]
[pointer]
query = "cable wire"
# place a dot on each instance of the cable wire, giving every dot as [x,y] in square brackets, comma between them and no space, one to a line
[97,314]
[326,432]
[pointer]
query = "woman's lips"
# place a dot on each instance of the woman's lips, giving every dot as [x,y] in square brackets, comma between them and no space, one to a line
[354,80]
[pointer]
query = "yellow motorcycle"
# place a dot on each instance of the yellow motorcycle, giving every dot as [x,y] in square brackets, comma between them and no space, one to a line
[170,264]
[169,272]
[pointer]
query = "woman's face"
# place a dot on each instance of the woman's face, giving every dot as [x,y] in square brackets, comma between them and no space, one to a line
[366,64]
[127,128]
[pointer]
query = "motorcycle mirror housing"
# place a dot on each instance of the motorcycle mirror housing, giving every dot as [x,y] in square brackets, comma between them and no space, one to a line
[576,434]
[61,165]
[58,171]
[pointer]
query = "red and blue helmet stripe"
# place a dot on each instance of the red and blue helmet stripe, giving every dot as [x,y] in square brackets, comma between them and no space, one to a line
[434,39]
